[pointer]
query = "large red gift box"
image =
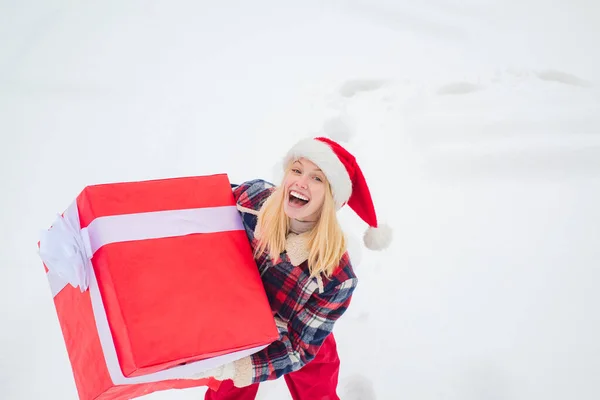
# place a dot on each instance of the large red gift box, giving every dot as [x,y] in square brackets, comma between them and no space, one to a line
[153,282]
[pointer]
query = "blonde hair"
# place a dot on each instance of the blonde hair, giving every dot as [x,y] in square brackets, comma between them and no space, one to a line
[326,241]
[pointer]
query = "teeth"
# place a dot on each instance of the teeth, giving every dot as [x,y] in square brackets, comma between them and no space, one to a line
[298,195]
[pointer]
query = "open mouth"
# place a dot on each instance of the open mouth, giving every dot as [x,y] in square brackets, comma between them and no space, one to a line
[297,199]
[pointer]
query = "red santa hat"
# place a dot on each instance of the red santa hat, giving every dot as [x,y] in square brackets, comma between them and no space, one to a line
[347,182]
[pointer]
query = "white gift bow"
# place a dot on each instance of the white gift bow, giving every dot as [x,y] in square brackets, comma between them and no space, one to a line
[65,249]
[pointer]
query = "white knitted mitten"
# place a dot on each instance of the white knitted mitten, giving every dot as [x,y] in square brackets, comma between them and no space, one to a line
[220,373]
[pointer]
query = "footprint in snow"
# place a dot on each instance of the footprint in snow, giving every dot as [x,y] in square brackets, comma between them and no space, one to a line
[356,387]
[458,88]
[562,77]
[339,128]
[350,88]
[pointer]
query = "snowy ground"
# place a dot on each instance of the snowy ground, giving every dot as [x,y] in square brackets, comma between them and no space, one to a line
[477,124]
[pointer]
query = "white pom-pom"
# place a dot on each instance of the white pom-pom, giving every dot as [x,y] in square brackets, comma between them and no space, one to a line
[378,238]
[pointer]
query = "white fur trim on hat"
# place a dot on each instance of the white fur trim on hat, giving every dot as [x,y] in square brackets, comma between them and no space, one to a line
[378,238]
[321,154]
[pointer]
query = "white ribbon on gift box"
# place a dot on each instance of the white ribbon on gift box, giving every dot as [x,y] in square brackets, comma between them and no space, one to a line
[67,250]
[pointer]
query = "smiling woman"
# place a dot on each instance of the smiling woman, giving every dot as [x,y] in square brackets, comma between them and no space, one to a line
[300,251]
[303,204]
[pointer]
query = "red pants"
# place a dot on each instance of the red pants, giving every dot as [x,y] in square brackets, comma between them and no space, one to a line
[317,380]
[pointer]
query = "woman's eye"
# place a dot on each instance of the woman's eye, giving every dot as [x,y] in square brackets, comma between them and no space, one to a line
[296,170]
[318,179]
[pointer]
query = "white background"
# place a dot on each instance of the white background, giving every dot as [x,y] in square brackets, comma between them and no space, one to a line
[477,124]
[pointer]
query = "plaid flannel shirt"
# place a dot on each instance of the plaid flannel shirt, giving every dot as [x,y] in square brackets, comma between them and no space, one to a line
[305,308]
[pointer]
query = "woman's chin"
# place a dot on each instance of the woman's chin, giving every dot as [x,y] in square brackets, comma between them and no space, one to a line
[294,213]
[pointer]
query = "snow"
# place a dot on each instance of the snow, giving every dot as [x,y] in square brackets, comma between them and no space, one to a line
[477,124]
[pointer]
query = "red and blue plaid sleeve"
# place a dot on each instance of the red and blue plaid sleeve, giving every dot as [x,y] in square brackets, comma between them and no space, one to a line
[253,193]
[301,338]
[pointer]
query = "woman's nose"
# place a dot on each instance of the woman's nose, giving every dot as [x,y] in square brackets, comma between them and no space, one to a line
[303,182]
